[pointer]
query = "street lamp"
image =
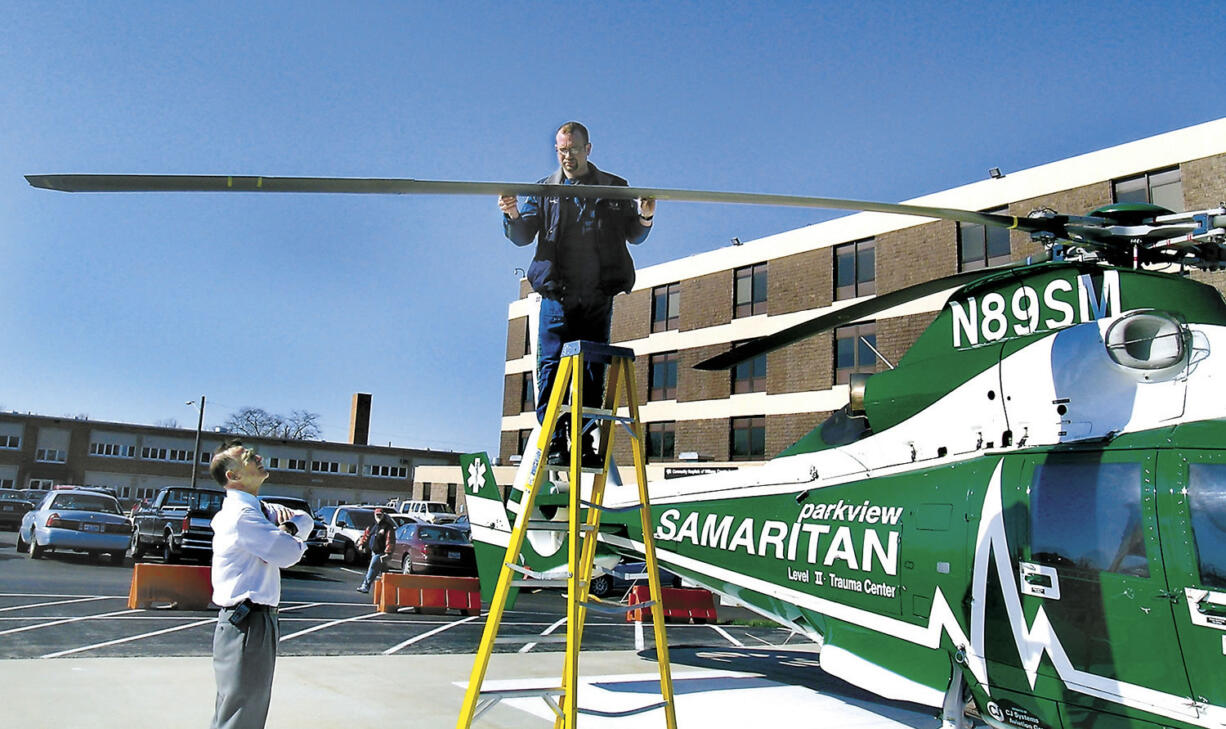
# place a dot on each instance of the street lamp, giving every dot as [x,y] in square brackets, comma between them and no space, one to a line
[196,450]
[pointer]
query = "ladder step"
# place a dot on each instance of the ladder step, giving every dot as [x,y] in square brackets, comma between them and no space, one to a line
[540,525]
[611,509]
[526,572]
[599,414]
[626,712]
[532,638]
[523,584]
[566,469]
[608,608]
[523,693]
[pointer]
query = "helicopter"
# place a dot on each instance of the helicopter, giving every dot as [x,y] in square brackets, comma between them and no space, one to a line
[1030,507]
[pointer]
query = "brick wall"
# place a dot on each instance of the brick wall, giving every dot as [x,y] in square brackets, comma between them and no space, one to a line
[695,384]
[784,430]
[800,282]
[896,335]
[913,255]
[517,337]
[706,301]
[801,367]
[631,316]
[708,437]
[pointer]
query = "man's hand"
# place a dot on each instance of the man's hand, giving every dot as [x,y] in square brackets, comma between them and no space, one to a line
[280,513]
[647,209]
[509,206]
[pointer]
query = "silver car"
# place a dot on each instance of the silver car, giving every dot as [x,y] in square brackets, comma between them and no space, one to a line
[76,520]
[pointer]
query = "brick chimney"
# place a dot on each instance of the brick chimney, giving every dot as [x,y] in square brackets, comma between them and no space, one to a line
[359,419]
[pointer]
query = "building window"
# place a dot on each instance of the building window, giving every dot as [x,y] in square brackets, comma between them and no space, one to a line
[662,375]
[181,455]
[42,484]
[50,455]
[527,393]
[666,307]
[10,441]
[206,457]
[748,438]
[982,246]
[296,464]
[1164,187]
[853,351]
[387,471]
[6,483]
[112,450]
[345,469]
[749,376]
[661,441]
[749,291]
[855,269]
[522,440]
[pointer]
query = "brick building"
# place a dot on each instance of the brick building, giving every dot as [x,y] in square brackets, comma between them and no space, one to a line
[686,310]
[136,460]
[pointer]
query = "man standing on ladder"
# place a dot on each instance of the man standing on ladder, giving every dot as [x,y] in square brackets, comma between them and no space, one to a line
[581,263]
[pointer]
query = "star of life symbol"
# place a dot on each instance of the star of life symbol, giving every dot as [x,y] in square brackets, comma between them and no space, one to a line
[476,475]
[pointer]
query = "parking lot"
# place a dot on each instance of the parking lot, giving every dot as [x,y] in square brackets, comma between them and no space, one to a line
[67,605]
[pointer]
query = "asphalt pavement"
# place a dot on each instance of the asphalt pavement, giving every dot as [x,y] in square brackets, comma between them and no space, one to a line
[72,654]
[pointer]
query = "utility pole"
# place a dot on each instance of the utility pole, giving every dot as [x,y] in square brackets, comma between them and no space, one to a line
[196,450]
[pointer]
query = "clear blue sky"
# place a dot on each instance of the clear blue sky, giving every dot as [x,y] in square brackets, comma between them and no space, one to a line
[123,306]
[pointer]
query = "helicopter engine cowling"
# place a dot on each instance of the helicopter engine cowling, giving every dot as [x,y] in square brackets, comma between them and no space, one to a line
[1150,345]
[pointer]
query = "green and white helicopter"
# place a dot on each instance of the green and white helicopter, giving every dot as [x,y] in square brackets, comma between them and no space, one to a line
[1030,506]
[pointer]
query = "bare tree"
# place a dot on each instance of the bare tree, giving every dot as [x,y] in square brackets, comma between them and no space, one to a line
[167,423]
[298,425]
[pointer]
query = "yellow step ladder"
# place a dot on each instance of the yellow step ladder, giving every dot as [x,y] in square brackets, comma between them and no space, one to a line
[582,537]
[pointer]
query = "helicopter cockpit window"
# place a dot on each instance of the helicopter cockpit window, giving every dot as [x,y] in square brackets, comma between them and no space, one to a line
[1086,515]
[1207,505]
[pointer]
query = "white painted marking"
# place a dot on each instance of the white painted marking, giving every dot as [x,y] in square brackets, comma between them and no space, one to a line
[329,624]
[129,639]
[727,636]
[529,646]
[429,633]
[66,620]
[54,602]
[638,635]
[177,628]
[356,572]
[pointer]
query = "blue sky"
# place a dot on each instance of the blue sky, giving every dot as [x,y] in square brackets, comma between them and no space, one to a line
[123,306]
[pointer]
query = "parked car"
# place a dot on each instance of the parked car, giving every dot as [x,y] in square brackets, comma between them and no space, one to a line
[35,496]
[432,549]
[319,547]
[464,525]
[178,523]
[13,506]
[75,520]
[345,526]
[435,512]
[625,575]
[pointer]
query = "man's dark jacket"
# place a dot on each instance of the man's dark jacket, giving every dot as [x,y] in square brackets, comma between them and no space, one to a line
[617,223]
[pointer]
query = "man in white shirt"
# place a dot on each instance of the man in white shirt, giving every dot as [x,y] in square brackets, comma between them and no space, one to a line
[251,543]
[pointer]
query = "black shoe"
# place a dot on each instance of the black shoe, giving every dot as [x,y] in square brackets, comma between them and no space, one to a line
[591,459]
[559,458]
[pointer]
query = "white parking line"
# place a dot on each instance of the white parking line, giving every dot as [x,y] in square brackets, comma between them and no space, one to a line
[546,631]
[66,620]
[55,602]
[329,625]
[725,633]
[429,633]
[129,639]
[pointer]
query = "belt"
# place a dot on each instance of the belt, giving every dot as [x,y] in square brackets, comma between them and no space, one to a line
[255,607]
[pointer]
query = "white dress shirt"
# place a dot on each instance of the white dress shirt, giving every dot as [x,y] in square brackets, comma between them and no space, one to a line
[249,551]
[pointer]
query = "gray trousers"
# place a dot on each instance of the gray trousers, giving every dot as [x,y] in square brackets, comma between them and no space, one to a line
[244,657]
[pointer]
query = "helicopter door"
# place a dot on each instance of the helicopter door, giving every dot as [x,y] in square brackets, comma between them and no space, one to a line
[1193,512]
[1089,559]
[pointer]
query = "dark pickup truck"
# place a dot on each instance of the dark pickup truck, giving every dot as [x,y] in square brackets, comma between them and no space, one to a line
[178,523]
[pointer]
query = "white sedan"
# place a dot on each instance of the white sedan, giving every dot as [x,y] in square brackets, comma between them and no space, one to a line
[76,520]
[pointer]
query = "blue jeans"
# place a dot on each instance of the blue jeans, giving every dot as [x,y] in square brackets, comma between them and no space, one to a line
[372,572]
[575,320]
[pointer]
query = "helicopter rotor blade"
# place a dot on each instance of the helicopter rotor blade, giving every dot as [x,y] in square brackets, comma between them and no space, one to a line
[405,186]
[846,315]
